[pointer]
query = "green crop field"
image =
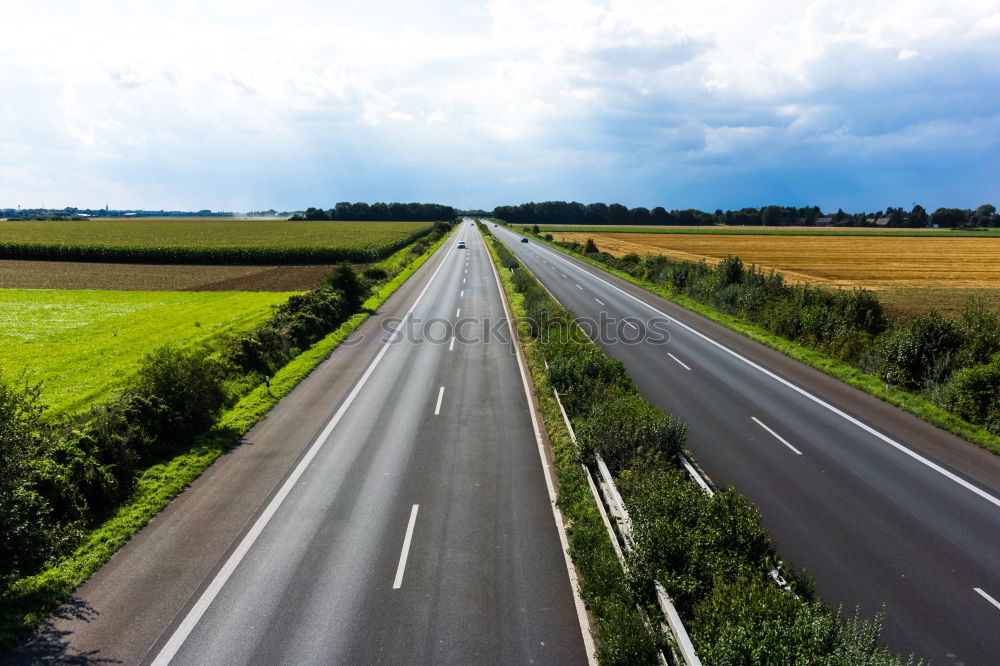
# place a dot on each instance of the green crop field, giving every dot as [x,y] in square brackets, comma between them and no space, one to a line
[80,343]
[209,240]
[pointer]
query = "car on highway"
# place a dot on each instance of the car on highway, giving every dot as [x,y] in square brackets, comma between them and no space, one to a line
[523,239]
[461,245]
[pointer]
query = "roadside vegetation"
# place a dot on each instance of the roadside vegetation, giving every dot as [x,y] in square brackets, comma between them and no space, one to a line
[207,241]
[74,490]
[939,369]
[710,552]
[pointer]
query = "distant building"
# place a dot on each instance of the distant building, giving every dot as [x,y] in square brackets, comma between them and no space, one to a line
[882,222]
[824,221]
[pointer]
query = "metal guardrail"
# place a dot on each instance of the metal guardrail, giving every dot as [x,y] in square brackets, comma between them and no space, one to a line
[684,653]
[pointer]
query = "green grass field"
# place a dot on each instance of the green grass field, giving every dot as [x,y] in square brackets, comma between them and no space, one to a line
[81,343]
[207,232]
[770,231]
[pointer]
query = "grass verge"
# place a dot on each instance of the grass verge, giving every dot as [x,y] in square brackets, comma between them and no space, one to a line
[905,400]
[30,600]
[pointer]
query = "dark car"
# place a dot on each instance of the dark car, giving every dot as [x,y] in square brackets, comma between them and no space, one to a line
[523,239]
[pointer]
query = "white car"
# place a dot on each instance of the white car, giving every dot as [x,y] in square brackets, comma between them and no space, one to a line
[461,245]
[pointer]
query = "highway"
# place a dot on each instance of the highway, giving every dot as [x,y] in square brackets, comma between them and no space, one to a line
[879,506]
[394,508]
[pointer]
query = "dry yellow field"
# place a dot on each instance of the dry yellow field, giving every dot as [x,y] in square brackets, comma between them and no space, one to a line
[951,268]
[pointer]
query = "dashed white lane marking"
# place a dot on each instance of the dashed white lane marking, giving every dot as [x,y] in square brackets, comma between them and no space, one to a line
[776,435]
[630,324]
[988,598]
[599,301]
[451,347]
[396,584]
[462,294]
[458,313]
[678,360]
[437,407]
[579,287]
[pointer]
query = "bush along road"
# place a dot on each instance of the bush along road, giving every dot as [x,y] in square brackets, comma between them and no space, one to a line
[73,492]
[710,552]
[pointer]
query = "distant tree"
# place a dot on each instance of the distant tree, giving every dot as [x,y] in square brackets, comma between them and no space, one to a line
[840,216]
[897,218]
[917,218]
[659,215]
[770,216]
[948,217]
[985,216]
[617,214]
[639,215]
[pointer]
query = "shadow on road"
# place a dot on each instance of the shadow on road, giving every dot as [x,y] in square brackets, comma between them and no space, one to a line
[49,644]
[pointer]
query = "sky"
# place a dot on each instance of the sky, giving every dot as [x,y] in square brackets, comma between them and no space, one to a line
[248,105]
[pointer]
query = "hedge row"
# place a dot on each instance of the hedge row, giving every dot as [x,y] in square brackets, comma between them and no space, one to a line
[953,363]
[711,553]
[58,480]
[206,255]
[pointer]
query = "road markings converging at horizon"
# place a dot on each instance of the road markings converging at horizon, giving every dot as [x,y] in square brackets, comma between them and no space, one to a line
[988,598]
[401,567]
[437,408]
[194,615]
[776,435]
[992,499]
[682,364]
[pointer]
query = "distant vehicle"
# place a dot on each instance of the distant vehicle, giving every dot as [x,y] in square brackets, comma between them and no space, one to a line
[523,239]
[461,245]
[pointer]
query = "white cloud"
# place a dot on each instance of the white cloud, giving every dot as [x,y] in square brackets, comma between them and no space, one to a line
[118,88]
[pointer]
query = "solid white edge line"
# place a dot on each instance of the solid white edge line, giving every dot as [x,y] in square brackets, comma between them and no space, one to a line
[776,435]
[581,609]
[194,615]
[819,401]
[988,598]
[682,364]
[401,567]
[437,407]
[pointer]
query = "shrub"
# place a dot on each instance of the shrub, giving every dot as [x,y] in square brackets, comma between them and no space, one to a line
[375,274]
[753,622]
[625,426]
[582,374]
[919,351]
[975,395]
[691,541]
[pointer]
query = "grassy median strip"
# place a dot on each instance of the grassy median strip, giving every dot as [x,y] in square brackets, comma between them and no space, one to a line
[710,552]
[622,638]
[905,400]
[30,599]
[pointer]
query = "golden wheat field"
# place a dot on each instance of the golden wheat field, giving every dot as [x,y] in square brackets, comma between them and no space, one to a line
[899,268]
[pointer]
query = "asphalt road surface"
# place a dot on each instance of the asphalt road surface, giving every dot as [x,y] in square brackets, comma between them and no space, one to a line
[392,509]
[878,505]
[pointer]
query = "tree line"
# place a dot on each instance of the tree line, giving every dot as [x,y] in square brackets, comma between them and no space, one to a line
[389,212]
[571,212]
